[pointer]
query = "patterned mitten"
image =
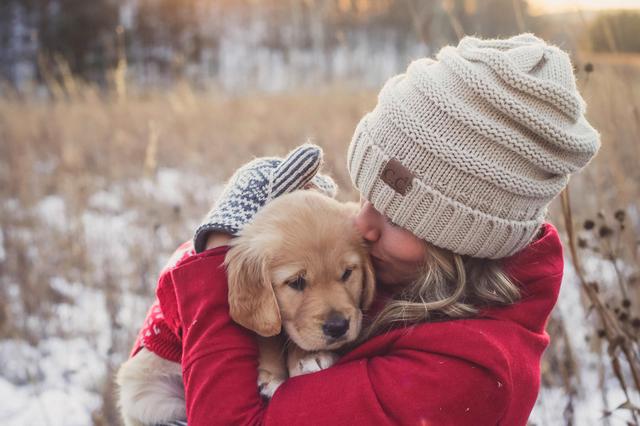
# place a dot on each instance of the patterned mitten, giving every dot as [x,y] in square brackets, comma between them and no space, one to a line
[257,182]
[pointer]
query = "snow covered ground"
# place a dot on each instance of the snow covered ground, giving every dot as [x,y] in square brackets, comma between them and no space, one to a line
[589,405]
[59,376]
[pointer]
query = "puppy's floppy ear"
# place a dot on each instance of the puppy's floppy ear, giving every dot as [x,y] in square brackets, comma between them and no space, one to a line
[368,283]
[252,302]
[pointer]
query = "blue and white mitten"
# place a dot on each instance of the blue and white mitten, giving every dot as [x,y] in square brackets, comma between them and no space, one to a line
[256,183]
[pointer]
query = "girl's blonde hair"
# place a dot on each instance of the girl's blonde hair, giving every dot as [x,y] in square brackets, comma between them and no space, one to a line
[449,286]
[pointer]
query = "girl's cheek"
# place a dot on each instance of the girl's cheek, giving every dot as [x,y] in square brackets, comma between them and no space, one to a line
[405,246]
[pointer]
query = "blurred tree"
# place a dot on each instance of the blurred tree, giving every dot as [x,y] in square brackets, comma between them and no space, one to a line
[489,18]
[80,32]
[616,32]
[170,34]
[173,33]
[172,25]
[438,22]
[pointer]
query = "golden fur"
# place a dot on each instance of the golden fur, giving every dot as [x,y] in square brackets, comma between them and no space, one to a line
[301,266]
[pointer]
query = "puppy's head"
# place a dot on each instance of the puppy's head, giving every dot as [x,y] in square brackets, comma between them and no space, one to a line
[300,264]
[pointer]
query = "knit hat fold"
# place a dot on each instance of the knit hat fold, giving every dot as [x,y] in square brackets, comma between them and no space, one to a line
[488,134]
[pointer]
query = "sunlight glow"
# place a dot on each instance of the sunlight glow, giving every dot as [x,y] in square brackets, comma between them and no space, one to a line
[555,6]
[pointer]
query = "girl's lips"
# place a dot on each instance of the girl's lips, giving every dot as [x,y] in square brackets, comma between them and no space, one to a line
[375,256]
[376,260]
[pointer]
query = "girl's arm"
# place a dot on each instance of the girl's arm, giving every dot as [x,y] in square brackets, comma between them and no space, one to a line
[220,370]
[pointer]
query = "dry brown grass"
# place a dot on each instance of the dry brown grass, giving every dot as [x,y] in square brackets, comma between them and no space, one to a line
[84,140]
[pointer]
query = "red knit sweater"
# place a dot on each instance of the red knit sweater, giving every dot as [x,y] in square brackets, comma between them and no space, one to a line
[481,371]
[155,334]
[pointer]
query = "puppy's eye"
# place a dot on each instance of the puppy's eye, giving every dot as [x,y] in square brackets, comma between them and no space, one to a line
[346,274]
[298,283]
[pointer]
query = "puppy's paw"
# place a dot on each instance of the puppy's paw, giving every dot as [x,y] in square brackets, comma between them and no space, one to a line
[313,362]
[268,383]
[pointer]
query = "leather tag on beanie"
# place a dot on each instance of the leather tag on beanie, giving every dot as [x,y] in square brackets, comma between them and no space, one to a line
[397,176]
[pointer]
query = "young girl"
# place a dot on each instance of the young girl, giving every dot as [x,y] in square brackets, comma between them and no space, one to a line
[456,166]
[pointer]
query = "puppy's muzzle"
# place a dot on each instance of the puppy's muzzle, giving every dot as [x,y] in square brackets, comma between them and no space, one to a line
[335,326]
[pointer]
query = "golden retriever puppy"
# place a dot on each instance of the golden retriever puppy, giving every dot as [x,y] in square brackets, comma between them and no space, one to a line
[299,276]
[299,266]
[150,390]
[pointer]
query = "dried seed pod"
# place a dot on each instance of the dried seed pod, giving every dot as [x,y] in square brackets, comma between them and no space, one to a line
[601,333]
[582,243]
[588,67]
[605,231]
[626,303]
[635,322]
[623,316]
[589,224]
[620,215]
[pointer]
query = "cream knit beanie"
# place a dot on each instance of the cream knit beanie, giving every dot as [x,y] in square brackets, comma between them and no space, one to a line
[467,152]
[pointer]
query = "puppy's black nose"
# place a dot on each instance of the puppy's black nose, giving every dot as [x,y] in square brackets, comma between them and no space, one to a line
[335,326]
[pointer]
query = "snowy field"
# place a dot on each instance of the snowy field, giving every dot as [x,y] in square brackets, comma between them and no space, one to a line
[60,378]
[589,405]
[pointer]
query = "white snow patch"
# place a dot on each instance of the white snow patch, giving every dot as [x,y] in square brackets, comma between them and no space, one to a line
[59,380]
[133,310]
[106,200]
[62,392]
[13,206]
[168,186]
[51,210]
[19,362]
[109,236]
[88,315]
[175,187]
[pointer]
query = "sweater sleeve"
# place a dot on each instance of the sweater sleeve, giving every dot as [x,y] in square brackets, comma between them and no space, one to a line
[400,386]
